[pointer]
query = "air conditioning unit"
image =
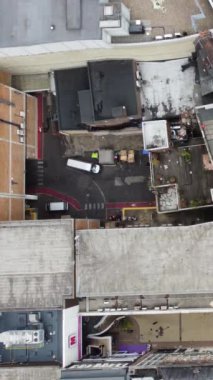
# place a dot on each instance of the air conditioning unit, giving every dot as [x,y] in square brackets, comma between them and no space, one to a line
[136,27]
[108,10]
[34,317]
[138,84]
[20,132]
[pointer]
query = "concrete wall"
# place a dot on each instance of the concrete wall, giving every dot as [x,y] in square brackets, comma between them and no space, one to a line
[71,336]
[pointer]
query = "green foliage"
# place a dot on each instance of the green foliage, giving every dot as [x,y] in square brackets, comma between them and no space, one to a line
[126,324]
[186,155]
[194,203]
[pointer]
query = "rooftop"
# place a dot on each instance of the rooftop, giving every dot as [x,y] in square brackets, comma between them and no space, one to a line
[160,13]
[176,357]
[102,91]
[17,141]
[140,261]
[183,177]
[20,349]
[30,372]
[68,84]
[98,373]
[166,90]
[37,264]
[205,118]
[204,50]
[181,363]
[113,85]
[188,373]
[155,135]
[30,22]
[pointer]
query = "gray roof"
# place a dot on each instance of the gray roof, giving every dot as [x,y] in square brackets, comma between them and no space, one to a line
[30,373]
[169,92]
[28,22]
[206,79]
[37,266]
[158,260]
[187,373]
[98,374]
[205,116]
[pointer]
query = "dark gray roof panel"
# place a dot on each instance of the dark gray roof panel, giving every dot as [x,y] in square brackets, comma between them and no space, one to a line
[68,85]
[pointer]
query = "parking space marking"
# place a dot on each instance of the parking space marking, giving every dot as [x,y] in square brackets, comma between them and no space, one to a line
[94,206]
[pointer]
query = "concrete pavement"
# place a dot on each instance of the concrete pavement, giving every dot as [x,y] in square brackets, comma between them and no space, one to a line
[176,328]
[147,51]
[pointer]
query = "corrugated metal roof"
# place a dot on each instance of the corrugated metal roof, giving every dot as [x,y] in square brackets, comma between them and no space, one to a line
[188,373]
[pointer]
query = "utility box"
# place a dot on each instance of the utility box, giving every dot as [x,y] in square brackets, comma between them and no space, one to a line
[136,27]
[106,157]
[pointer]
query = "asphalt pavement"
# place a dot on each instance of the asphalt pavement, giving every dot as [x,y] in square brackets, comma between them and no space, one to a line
[91,195]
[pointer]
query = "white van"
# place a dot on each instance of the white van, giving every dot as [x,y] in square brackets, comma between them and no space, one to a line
[57,206]
[81,165]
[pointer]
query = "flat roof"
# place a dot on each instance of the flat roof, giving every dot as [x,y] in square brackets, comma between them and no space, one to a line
[32,373]
[204,50]
[155,135]
[103,90]
[187,373]
[206,80]
[182,183]
[91,373]
[14,148]
[205,118]
[37,264]
[48,351]
[166,89]
[69,83]
[154,260]
[113,85]
[29,23]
